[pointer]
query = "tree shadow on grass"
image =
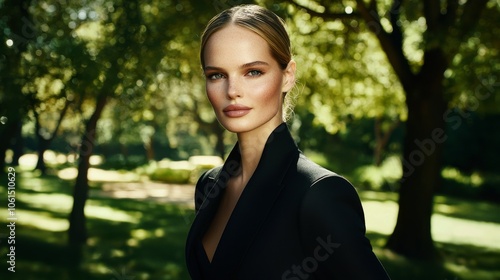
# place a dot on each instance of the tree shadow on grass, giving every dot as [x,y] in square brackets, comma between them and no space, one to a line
[481,211]
[143,239]
[465,262]
[128,239]
[400,268]
[152,248]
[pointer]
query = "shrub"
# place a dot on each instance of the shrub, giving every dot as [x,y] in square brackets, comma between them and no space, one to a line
[171,175]
[181,172]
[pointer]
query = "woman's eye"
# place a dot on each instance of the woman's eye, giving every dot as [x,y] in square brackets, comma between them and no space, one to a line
[254,73]
[215,76]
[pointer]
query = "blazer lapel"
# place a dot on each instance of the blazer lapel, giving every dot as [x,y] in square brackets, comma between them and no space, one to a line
[255,202]
[212,189]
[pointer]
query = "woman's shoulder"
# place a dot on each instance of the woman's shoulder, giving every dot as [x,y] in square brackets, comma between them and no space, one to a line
[313,172]
[207,175]
[211,173]
[322,183]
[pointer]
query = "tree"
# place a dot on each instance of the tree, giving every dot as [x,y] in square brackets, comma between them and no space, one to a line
[443,26]
[49,100]
[18,31]
[44,136]
[125,34]
[131,45]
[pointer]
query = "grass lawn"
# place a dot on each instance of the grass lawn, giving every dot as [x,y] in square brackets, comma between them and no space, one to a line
[144,239]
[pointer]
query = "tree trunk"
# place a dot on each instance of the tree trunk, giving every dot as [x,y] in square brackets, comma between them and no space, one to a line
[43,145]
[18,145]
[422,160]
[381,139]
[17,18]
[150,152]
[7,134]
[77,233]
[124,152]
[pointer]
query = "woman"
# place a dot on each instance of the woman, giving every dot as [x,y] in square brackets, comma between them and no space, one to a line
[268,212]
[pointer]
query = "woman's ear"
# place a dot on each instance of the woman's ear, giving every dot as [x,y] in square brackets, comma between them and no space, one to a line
[289,76]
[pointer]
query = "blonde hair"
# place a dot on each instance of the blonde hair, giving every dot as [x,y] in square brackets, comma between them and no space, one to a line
[264,23]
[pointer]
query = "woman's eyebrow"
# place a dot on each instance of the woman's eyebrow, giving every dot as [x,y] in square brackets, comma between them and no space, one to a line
[255,63]
[212,68]
[246,65]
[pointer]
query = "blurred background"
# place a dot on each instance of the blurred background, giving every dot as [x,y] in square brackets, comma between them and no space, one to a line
[105,128]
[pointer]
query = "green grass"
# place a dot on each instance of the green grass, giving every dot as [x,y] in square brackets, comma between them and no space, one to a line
[467,234]
[144,239]
[128,238]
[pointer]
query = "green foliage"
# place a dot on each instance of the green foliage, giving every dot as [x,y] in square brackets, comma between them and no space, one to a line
[477,132]
[171,175]
[116,162]
[181,172]
[381,178]
[342,72]
[127,49]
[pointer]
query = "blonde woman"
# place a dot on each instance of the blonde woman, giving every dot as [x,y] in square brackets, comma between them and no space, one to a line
[268,212]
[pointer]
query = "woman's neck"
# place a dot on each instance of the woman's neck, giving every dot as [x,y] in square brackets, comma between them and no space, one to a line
[251,145]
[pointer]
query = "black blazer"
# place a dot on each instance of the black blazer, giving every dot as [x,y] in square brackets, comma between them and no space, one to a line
[294,220]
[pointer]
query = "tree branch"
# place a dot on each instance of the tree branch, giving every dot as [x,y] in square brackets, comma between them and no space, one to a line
[61,117]
[432,13]
[463,26]
[371,17]
[470,16]
[373,6]
[391,43]
[397,33]
[451,12]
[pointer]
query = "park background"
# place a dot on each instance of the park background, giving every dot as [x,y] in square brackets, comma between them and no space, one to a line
[103,117]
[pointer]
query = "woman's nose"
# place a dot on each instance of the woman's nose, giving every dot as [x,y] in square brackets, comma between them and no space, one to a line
[232,89]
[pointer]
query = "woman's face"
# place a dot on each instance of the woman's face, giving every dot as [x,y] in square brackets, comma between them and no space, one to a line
[244,82]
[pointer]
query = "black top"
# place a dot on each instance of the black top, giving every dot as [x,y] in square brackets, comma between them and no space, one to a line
[203,262]
[294,220]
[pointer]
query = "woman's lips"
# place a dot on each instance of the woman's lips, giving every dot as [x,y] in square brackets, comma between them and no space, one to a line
[236,110]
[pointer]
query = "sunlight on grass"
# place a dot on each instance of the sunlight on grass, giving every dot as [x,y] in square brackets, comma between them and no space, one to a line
[381,218]
[99,268]
[473,179]
[38,220]
[126,234]
[461,231]
[28,161]
[51,157]
[60,203]
[140,234]
[469,209]
[100,175]
[43,203]
[111,214]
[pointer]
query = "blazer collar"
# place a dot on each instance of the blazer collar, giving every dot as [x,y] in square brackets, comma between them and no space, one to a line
[254,204]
